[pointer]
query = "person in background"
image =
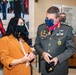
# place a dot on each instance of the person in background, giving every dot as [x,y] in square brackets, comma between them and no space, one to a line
[26,5]
[4,11]
[54,43]
[63,18]
[19,8]
[0,6]
[15,52]
[1,27]
[11,5]
[22,8]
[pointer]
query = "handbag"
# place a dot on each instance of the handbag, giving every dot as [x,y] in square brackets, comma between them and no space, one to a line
[49,66]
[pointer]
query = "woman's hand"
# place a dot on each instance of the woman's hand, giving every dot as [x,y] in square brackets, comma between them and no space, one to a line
[28,57]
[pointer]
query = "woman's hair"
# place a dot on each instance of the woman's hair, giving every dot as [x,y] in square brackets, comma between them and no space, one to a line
[11,29]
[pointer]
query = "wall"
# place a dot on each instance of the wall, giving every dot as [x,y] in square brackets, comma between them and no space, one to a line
[42,6]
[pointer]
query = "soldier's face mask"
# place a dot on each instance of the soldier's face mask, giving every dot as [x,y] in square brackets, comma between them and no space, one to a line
[48,22]
[63,19]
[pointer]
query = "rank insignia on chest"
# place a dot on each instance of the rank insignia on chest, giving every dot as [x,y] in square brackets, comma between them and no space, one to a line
[43,33]
[49,33]
[50,69]
[59,42]
[60,33]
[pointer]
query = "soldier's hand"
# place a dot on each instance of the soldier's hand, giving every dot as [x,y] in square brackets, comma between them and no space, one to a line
[55,59]
[46,56]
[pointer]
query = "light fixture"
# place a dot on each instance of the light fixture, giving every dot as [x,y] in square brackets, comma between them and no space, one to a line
[36,1]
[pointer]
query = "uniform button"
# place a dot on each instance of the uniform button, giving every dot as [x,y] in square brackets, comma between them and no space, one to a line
[48,50]
[49,44]
[50,38]
[42,38]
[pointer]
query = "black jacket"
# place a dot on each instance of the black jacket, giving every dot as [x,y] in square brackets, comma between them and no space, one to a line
[18,6]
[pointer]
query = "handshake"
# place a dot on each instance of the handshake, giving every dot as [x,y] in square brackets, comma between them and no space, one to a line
[49,66]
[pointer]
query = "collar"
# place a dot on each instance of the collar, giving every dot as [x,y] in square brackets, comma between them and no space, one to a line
[57,25]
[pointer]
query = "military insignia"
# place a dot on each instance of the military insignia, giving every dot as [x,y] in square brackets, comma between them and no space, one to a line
[57,34]
[48,50]
[46,34]
[49,33]
[50,38]
[73,32]
[50,69]
[61,30]
[60,33]
[43,33]
[59,42]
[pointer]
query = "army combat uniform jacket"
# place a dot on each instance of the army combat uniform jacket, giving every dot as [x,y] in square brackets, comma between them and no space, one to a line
[59,44]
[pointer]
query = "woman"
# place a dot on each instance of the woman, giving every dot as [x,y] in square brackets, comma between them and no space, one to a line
[4,9]
[15,53]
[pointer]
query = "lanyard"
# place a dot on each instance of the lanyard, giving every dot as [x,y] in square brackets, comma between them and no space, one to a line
[22,47]
[27,63]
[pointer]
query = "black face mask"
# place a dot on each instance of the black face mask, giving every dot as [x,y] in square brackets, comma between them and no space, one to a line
[21,29]
[63,19]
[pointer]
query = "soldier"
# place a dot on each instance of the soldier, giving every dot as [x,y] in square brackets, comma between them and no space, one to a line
[63,18]
[56,41]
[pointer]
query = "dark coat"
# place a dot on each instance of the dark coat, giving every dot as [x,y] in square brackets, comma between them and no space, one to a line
[18,6]
[59,44]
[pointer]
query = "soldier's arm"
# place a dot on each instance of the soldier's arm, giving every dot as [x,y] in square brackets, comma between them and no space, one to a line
[37,45]
[70,48]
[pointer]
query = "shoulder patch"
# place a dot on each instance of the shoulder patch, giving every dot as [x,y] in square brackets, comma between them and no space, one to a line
[42,24]
[73,32]
[65,24]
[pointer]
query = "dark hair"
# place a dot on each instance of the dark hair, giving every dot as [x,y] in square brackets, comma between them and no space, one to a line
[11,29]
[53,10]
[63,13]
